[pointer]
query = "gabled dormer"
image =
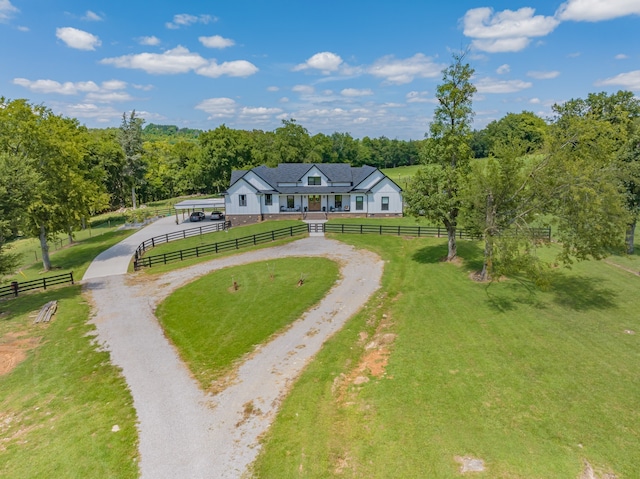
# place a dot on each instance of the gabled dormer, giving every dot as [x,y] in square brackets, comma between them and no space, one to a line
[313,177]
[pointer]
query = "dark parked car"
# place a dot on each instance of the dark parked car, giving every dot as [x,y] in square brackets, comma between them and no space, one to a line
[216,215]
[196,216]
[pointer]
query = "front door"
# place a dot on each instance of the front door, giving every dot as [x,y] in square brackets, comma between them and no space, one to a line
[314,202]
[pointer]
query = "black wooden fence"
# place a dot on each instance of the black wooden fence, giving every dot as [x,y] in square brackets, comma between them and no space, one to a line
[140,261]
[16,287]
[178,235]
[237,243]
[543,234]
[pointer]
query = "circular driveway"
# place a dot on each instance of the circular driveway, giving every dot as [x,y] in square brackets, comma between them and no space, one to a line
[184,432]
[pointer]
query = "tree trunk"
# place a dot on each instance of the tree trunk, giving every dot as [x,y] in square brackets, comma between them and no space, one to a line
[133,197]
[487,265]
[44,247]
[451,236]
[70,233]
[630,239]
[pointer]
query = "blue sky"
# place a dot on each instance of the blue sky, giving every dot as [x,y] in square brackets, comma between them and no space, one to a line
[365,68]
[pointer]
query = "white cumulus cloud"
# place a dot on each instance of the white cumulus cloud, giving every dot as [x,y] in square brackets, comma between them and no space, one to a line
[400,71]
[107,92]
[150,41]
[326,62]
[216,41]
[505,31]
[630,80]
[597,10]
[540,75]
[176,60]
[7,10]
[356,92]
[217,107]
[237,68]
[181,60]
[502,69]
[303,89]
[490,85]
[92,17]
[185,19]
[78,39]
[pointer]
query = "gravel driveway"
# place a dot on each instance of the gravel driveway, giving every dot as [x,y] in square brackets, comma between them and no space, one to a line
[183,432]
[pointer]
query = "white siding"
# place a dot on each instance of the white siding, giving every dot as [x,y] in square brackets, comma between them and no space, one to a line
[275,204]
[232,200]
[385,188]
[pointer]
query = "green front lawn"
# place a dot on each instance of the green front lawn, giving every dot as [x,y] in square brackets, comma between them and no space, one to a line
[533,383]
[214,325]
[65,411]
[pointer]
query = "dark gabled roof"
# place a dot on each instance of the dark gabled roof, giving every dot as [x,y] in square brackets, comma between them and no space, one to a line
[236,175]
[295,172]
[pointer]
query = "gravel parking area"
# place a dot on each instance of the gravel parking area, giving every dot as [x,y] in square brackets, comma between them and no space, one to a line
[183,432]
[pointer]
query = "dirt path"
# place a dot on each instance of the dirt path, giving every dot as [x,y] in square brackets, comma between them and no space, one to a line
[182,431]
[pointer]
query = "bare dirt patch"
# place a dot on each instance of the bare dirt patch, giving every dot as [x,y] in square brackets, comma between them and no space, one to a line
[13,350]
[372,364]
[590,473]
[470,464]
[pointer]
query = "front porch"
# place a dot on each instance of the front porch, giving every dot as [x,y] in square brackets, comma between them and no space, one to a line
[314,203]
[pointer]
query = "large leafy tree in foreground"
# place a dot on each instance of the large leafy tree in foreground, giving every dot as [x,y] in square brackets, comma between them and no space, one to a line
[574,183]
[435,190]
[50,149]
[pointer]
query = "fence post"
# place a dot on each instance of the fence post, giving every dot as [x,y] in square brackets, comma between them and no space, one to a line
[153,242]
[71,276]
[237,244]
[273,235]
[197,253]
[254,240]
[15,287]
[44,283]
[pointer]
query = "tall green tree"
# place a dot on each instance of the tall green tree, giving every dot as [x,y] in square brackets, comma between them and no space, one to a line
[292,143]
[435,190]
[53,147]
[130,139]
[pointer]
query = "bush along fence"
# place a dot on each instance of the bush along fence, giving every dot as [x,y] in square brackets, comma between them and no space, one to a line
[178,235]
[16,287]
[237,243]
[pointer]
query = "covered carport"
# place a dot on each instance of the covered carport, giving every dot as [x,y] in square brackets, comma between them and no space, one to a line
[189,206]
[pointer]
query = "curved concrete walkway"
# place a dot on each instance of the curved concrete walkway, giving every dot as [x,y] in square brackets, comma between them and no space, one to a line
[183,432]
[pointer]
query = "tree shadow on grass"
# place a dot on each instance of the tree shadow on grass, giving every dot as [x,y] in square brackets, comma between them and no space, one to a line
[577,293]
[469,255]
[581,293]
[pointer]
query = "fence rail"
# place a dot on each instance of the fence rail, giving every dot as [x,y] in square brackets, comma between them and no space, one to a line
[178,235]
[16,287]
[433,231]
[237,243]
[268,236]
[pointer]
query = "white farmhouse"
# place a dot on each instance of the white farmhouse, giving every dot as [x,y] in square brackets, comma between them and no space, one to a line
[310,190]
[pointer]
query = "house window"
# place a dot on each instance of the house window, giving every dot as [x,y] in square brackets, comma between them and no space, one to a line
[243,200]
[359,203]
[385,203]
[314,181]
[338,201]
[268,199]
[290,202]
